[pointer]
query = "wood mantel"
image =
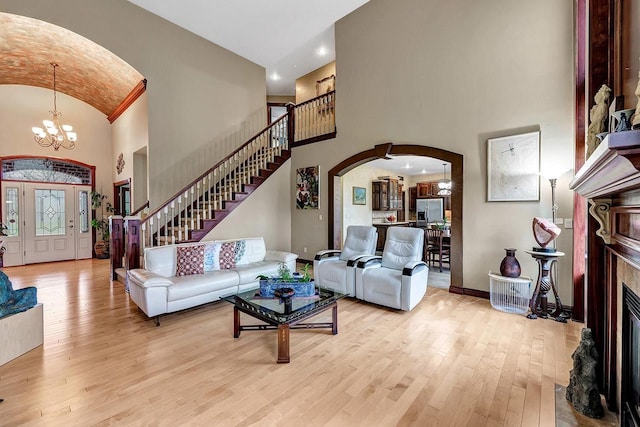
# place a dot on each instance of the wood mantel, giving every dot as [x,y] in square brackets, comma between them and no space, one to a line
[610,179]
[612,169]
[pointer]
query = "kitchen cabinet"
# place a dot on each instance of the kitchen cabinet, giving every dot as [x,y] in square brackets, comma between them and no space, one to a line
[401,216]
[385,195]
[413,194]
[393,194]
[380,195]
[426,189]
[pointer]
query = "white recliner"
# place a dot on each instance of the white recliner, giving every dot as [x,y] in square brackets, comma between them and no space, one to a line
[335,269]
[397,279]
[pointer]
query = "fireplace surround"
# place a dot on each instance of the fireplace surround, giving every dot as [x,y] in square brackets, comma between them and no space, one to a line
[610,180]
[630,387]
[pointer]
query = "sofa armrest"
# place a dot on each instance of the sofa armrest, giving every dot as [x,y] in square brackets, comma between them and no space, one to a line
[148,279]
[281,256]
[327,253]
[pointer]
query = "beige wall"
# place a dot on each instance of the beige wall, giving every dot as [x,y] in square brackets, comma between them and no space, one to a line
[280,99]
[130,133]
[201,97]
[451,75]
[22,107]
[264,213]
[306,85]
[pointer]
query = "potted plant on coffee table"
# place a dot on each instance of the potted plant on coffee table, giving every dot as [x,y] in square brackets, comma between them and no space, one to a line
[101,223]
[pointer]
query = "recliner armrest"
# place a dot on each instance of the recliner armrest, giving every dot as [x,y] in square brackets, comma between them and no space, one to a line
[414,267]
[327,253]
[280,256]
[368,260]
[351,262]
[148,279]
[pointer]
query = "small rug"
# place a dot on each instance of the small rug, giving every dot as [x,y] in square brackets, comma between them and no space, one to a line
[567,416]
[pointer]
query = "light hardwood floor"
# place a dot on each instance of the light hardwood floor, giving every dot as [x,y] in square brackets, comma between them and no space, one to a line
[453,360]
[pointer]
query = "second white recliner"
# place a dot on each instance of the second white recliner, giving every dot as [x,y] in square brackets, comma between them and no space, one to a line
[397,279]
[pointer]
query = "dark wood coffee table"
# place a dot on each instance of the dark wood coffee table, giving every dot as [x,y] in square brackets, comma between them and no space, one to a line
[284,315]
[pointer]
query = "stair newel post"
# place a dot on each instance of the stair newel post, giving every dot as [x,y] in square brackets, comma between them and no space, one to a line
[132,242]
[116,243]
[291,122]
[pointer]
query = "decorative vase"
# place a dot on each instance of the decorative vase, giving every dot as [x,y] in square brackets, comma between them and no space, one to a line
[101,248]
[510,267]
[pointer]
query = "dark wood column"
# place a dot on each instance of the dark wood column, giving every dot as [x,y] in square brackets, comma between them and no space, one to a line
[600,47]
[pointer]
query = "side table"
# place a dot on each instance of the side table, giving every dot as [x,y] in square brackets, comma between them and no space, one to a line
[544,284]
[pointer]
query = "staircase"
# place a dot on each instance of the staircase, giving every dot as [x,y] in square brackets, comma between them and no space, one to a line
[202,205]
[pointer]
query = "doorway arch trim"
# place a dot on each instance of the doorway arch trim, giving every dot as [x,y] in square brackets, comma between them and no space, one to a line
[382,151]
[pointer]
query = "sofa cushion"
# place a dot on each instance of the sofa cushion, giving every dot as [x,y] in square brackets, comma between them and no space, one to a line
[161,260]
[190,286]
[241,252]
[255,249]
[249,272]
[189,260]
[227,255]
[211,253]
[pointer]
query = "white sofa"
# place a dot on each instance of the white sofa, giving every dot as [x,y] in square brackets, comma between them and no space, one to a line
[158,289]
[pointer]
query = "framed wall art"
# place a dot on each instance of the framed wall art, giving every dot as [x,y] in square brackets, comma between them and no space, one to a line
[513,167]
[308,188]
[359,196]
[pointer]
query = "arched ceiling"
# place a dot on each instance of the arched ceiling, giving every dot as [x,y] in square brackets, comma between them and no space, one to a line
[86,71]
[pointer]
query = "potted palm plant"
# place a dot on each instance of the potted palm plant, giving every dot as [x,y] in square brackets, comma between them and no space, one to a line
[101,224]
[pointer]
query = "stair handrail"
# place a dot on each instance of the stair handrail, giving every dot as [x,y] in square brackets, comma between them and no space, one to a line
[317,98]
[237,150]
[211,169]
[140,209]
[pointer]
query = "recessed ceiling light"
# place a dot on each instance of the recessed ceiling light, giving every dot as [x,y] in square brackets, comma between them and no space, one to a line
[275,76]
[323,51]
[407,166]
[424,171]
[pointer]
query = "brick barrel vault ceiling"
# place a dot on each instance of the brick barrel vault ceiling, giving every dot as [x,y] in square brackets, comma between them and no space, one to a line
[86,70]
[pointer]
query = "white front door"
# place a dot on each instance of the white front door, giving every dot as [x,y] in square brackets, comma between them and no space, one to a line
[49,223]
[55,225]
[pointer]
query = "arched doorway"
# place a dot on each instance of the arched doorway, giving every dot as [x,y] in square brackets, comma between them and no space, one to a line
[382,151]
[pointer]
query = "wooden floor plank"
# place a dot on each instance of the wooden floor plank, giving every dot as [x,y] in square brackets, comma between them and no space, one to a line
[453,360]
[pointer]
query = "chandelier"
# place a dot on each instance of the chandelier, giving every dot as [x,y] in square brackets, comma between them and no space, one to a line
[54,134]
[445,184]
